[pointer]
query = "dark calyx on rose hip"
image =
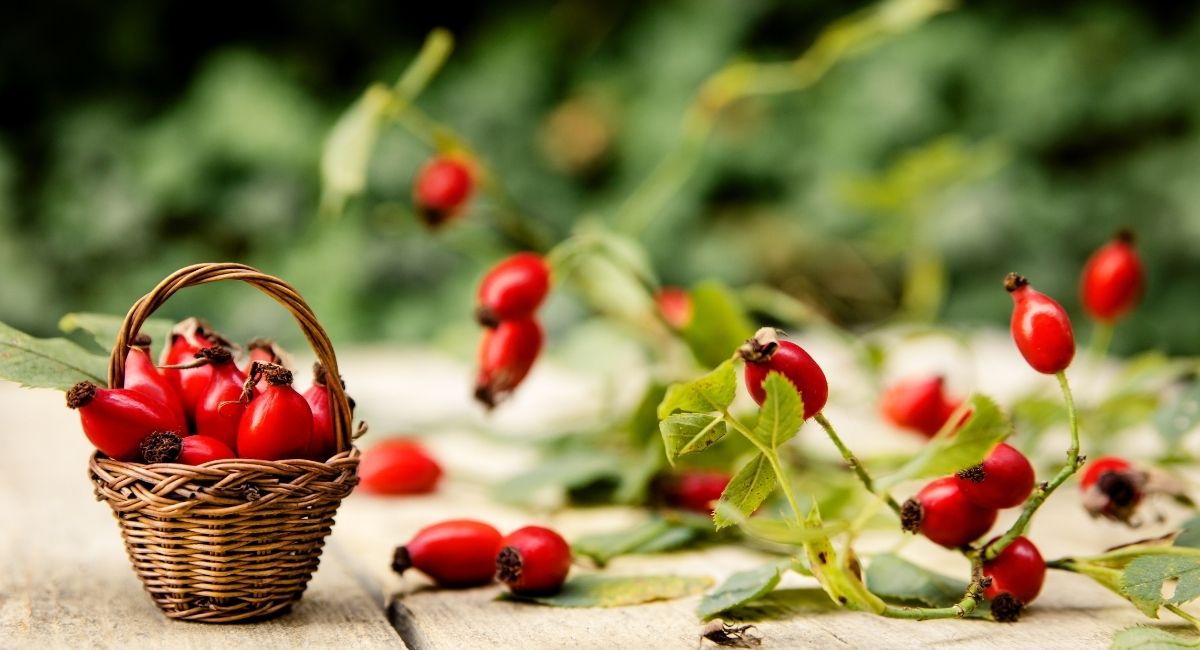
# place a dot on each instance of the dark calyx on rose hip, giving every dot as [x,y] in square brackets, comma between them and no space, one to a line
[1003,480]
[765,353]
[1015,578]
[533,561]
[1112,488]
[942,512]
[165,447]
[117,420]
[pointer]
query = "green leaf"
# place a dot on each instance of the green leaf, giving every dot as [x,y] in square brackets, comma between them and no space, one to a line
[654,536]
[781,414]
[719,323]
[1141,637]
[643,422]
[712,392]
[739,588]
[782,604]
[1178,416]
[897,580]
[951,451]
[836,578]
[1189,534]
[618,591]
[348,149]
[103,329]
[687,433]
[1142,581]
[746,491]
[782,531]
[47,363]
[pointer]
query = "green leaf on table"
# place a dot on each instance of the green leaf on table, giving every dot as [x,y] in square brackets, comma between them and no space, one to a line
[712,392]
[1141,637]
[1143,579]
[47,363]
[781,414]
[897,580]
[103,329]
[781,604]
[1189,533]
[618,591]
[951,451]
[1177,416]
[739,588]
[746,491]
[687,433]
[654,536]
[719,323]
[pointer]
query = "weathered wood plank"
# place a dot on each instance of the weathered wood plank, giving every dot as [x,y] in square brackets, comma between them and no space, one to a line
[65,581]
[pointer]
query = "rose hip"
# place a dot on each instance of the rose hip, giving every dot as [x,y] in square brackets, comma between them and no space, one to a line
[117,420]
[190,450]
[918,405]
[695,490]
[765,353]
[323,444]
[675,306]
[1112,488]
[942,512]
[1112,280]
[188,337]
[277,424]
[455,553]
[1003,480]
[442,188]
[219,411]
[513,289]
[398,466]
[506,354]
[1040,327]
[533,561]
[142,376]
[1017,574]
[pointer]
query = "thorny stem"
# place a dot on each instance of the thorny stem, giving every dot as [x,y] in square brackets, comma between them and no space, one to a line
[1074,461]
[772,458]
[854,463]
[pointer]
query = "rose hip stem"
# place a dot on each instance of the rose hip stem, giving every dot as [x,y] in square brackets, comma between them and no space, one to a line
[863,476]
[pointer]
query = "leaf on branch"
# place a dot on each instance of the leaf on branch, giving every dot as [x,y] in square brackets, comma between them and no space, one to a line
[103,329]
[899,581]
[1143,579]
[781,414]
[47,363]
[348,148]
[654,536]
[1141,637]
[746,491]
[710,393]
[739,588]
[782,531]
[687,433]
[719,323]
[618,591]
[836,578]
[951,451]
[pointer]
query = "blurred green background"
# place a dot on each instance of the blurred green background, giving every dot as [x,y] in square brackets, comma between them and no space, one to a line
[138,137]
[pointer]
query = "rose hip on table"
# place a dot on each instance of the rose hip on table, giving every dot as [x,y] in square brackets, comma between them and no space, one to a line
[455,553]
[398,466]
[533,561]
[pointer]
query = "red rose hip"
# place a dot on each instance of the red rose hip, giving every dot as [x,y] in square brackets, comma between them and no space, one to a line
[533,561]
[442,188]
[942,512]
[1040,327]
[142,376]
[918,405]
[117,420]
[765,353]
[513,289]
[675,306]
[1112,488]
[220,408]
[277,424]
[695,490]
[188,450]
[1016,577]
[1112,280]
[188,337]
[398,466]
[506,354]
[455,553]
[1003,480]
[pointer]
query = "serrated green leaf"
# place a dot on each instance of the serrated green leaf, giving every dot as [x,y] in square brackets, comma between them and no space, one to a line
[781,414]
[1142,581]
[103,329]
[739,588]
[897,580]
[1177,416]
[838,581]
[1141,637]
[687,433]
[781,604]
[1189,533]
[47,363]
[719,323]
[951,451]
[712,392]
[618,591]
[746,491]
[654,536]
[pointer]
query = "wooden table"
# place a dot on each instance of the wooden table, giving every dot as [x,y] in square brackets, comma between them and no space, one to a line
[65,580]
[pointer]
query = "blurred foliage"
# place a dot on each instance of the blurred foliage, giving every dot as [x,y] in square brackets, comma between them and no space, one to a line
[140,137]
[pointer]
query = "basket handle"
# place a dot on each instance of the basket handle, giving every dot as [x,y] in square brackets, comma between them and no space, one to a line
[282,292]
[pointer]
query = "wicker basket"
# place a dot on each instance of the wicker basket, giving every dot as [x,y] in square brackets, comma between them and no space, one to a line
[229,540]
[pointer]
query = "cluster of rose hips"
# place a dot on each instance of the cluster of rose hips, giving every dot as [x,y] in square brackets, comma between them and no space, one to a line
[443,187]
[508,299]
[200,406]
[531,561]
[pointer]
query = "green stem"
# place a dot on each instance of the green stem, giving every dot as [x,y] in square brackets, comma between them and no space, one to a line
[854,463]
[772,458]
[1102,335]
[1178,611]
[961,609]
[1129,552]
[1045,489]
[429,60]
